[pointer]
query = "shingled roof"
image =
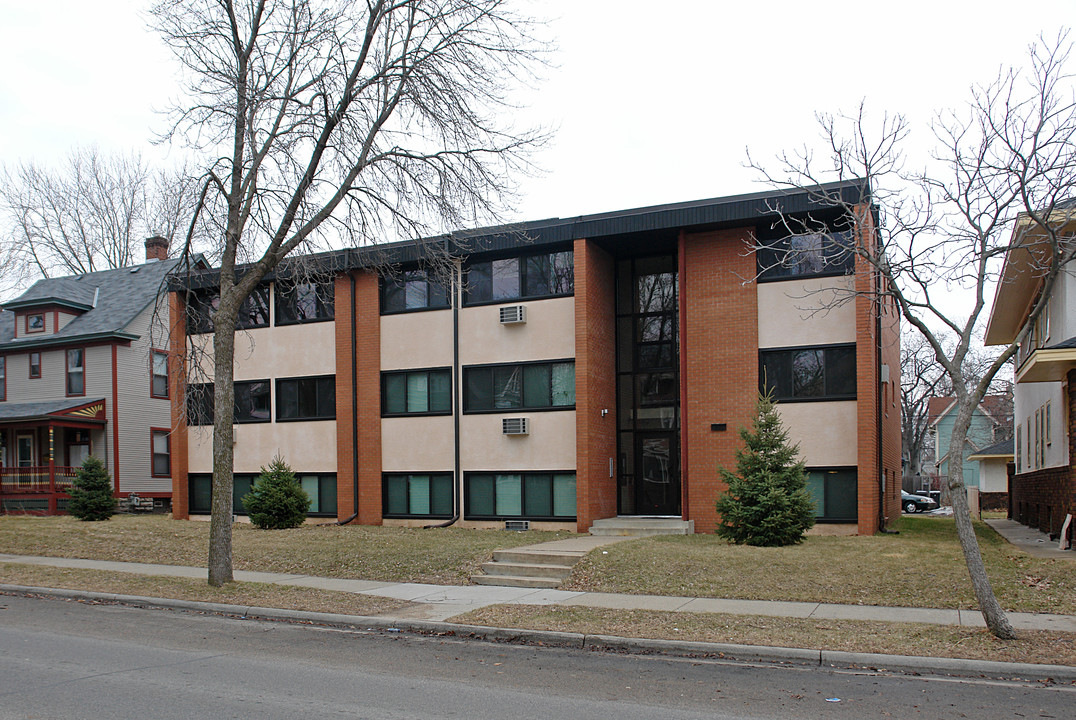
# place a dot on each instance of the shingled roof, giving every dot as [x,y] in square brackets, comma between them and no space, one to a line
[108,301]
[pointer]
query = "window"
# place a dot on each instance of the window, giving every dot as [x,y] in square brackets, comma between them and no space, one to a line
[530,276]
[252,403]
[819,373]
[811,249]
[321,489]
[76,372]
[536,496]
[527,386]
[253,313]
[1046,413]
[162,458]
[200,404]
[35,365]
[1019,447]
[159,374]
[834,491]
[417,392]
[304,302]
[412,290]
[35,323]
[3,379]
[310,398]
[426,495]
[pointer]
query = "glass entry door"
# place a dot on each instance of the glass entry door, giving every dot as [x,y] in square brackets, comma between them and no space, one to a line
[648,387]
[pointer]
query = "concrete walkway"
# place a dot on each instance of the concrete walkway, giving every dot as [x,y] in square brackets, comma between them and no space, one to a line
[1034,542]
[440,602]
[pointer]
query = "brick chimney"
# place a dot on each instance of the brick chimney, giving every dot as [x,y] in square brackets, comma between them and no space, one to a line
[156,248]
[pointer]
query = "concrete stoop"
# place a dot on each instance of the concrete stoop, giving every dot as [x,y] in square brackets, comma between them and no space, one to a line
[528,568]
[642,526]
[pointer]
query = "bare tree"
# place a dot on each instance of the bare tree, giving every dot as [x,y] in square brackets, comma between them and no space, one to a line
[997,181]
[336,119]
[91,213]
[920,377]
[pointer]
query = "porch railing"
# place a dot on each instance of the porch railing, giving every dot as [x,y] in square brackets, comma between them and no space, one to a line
[37,479]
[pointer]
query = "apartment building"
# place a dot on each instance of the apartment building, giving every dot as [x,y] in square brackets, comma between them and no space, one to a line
[558,372]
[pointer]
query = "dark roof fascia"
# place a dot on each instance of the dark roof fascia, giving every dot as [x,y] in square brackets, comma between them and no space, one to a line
[694,215]
[19,345]
[46,302]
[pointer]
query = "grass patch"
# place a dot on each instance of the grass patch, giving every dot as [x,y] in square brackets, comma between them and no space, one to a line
[843,635]
[239,593]
[923,566]
[443,556]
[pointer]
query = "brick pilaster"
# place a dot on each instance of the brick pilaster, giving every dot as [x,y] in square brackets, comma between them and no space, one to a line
[177,389]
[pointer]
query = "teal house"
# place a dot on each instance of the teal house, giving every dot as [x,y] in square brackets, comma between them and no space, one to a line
[989,424]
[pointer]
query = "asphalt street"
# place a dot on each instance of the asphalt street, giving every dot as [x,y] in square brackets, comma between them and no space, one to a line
[71,659]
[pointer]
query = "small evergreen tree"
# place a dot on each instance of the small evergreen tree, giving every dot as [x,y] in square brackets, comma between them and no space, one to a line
[767,502]
[91,493]
[277,501]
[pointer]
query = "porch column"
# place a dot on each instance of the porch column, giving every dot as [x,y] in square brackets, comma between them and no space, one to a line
[52,469]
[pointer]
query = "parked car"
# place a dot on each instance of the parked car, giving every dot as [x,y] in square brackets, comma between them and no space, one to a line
[916,503]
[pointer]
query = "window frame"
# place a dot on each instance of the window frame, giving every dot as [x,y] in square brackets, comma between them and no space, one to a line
[153,375]
[154,433]
[386,374]
[28,329]
[406,476]
[202,302]
[468,370]
[249,419]
[68,373]
[521,277]
[775,243]
[32,354]
[764,384]
[324,302]
[3,378]
[468,477]
[399,280]
[836,469]
[201,393]
[315,418]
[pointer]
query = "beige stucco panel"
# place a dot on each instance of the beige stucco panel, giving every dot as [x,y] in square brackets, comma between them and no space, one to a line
[417,444]
[416,340]
[993,476]
[792,312]
[549,446]
[826,431]
[274,352]
[305,446]
[548,334]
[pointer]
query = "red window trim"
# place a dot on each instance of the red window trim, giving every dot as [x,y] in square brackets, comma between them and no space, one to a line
[67,373]
[152,353]
[31,364]
[26,321]
[167,432]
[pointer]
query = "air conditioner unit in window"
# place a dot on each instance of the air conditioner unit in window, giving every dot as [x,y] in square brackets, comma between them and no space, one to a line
[513,314]
[515,426]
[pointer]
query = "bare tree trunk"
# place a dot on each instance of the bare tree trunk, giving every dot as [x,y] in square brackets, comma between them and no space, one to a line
[220,524]
[989,606]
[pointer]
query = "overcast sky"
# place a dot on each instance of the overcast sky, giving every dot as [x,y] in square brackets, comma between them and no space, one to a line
[653,102]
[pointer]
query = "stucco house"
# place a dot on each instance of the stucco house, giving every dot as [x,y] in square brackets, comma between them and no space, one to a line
[566,373]
[994,461]
[1044,486]
[84,364]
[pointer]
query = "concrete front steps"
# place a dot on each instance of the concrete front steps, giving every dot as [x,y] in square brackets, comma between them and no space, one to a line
[528,568]
[642,526]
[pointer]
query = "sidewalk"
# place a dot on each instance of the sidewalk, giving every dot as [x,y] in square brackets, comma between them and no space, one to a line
[440,602]
[1034,542]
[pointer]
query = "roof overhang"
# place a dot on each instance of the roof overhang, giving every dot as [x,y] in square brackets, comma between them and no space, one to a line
[53,340]
[991,456]
[1046,365]
[47,302]
[67,412]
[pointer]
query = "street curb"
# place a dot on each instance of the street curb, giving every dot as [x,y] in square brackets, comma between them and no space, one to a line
[833,659]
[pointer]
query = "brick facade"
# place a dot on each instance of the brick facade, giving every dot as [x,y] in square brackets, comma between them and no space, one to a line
[1041,499]
[363,311]
[177,389]
[719,361]
[595,384]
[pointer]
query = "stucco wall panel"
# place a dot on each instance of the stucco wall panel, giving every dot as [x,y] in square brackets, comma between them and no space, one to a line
[549,333]
[417,444]
[305,446]
[825,431]
[550,445]
[818,311]
[416,340]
